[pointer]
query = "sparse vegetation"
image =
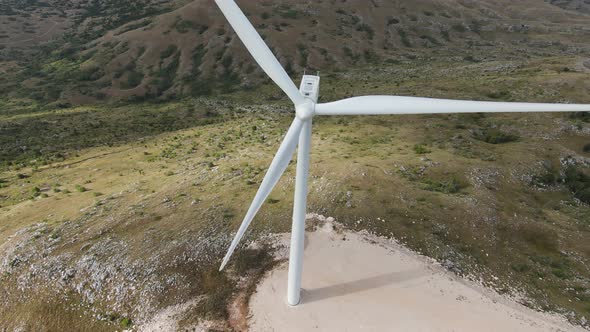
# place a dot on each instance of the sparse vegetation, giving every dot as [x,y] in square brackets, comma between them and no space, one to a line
[421,149]
[134,79]
[80,188]
[579,183]
[287,12]
[459,27]
[495,136]
[158,168]
[451,186]
[548,177]
[133,26]
[404,38]
[171,49]
[582,116]
[126,323]
[367,29]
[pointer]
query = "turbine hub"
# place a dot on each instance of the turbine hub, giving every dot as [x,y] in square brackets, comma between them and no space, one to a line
[306,110]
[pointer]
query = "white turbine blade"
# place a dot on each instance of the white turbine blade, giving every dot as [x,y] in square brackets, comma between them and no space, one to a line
[376,105]
[276,169]
[259,50]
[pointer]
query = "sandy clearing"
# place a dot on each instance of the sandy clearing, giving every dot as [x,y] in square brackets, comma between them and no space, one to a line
[365,283]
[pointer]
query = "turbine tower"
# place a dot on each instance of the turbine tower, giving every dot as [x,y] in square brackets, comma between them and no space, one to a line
[299,134]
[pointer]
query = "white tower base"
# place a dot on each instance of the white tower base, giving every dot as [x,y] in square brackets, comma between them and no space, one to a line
[299,211]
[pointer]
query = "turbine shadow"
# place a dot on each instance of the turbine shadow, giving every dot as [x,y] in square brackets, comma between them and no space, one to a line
[361,285]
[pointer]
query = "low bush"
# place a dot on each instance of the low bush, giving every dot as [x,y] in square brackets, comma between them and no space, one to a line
[495,136]
[583,116]
[404,38]
[549,176]
[134,79]
[545,179]
[579,183]
[421,149]
[539,236]
[126,322]
[451,186]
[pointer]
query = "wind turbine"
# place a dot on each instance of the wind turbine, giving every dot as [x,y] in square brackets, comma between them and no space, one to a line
[299,134]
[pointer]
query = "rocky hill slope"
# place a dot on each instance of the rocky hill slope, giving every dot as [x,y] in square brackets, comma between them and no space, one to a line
[156,50]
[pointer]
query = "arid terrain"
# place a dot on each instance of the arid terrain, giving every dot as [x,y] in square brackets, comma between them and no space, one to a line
[134,134]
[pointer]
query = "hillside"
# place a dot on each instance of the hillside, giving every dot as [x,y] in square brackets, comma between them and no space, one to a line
[117,215]
[105,50]
[134,134]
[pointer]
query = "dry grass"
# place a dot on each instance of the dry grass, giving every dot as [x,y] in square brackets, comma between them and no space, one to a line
[161,193]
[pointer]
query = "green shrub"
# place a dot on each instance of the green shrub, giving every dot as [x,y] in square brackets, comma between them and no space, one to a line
[133,79]
[495,136]
[430,39]
[583,116]
[183,26]
[548,178]
[404,37]
[561,274]
[348,52]
[579,183]
[80,188]
[370,56]
[421,149]
[126,322]
[167,74]
[584,195]
[587,147]
[520,267]
[288,13]
[451,186]
[90,74]
[459,27]
[503,94]
[539,236]
[392,21]
[367,29]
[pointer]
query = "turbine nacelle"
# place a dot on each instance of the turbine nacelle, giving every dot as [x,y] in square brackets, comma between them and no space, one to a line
[310,90]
